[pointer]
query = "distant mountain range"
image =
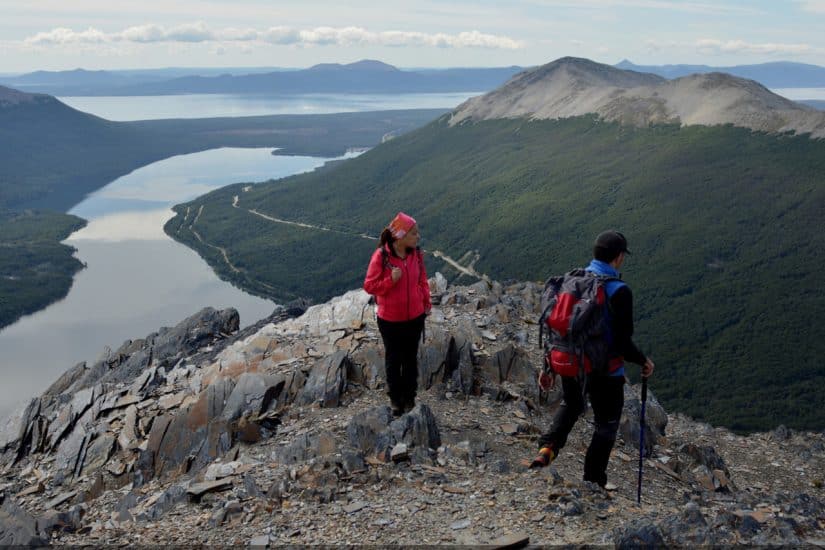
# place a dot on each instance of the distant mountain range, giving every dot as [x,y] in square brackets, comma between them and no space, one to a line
[517,183]
[86,82]
[361,77]
[778,74]
[366,76]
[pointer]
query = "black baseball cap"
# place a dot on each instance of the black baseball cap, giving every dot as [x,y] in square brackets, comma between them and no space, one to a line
[613,241]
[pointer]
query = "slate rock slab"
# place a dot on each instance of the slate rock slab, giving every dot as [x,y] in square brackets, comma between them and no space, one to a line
[17,527]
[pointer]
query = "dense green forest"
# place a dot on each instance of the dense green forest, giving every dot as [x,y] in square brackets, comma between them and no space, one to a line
[721,221]
[35,269]
[52,156]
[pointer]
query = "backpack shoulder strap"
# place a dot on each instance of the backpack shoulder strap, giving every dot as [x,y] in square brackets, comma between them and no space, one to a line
[578,272]
[612,284]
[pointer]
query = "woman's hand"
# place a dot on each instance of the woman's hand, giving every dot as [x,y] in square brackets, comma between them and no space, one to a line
[395,274]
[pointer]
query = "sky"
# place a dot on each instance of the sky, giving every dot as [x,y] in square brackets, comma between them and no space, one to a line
[114,34]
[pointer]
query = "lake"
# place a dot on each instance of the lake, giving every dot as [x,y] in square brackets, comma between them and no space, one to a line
[123,108]
[137,279]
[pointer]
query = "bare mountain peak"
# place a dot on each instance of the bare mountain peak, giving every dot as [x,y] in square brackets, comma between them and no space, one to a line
[590,72]
[570,86]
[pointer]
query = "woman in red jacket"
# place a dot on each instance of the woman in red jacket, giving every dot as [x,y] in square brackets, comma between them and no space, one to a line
[398,280]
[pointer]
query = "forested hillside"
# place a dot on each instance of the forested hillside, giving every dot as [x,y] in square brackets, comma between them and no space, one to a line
[720,221]
[35,268]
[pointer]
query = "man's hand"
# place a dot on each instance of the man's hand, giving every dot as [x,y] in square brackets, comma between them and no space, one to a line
[647,368]
[395,274]
[547,381]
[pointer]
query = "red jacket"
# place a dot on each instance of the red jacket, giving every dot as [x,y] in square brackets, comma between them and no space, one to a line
[405,299]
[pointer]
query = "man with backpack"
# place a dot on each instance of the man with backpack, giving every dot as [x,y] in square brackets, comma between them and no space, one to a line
[588,317]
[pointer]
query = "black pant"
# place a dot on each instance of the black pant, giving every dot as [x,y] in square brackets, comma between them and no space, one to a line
[401,350]
[607,398]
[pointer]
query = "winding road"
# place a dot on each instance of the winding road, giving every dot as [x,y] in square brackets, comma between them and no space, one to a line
[466,270]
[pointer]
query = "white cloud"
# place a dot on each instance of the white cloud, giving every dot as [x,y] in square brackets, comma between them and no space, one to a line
[475,39]
[238,35]
[813,6]
[319,36]
[62,35]
[710,46]
[279,35]
[143,33]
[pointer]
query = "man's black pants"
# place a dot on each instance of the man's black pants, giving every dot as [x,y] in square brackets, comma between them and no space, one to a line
[401,350]
[606,395]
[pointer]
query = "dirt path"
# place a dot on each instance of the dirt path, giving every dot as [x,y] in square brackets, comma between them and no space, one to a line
[218,248]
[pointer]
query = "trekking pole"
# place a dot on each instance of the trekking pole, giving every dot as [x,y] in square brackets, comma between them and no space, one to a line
[641,439]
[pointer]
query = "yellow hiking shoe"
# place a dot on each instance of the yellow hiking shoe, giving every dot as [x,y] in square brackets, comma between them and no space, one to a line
[544,458]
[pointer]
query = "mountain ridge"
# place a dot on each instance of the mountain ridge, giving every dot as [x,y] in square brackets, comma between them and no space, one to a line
[363,65]
[774,74]
[201,434]
[781,74]
[571,87]
[364,76]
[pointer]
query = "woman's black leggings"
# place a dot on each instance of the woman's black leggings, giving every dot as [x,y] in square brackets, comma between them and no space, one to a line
[401,350]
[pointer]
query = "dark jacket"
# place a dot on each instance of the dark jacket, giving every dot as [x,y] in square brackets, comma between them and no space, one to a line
[621,316]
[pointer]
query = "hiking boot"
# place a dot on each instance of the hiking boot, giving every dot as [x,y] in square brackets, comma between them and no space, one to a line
[409,404]
[397,408]
[544,458]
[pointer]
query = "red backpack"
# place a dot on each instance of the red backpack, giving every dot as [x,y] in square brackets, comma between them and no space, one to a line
[576,319]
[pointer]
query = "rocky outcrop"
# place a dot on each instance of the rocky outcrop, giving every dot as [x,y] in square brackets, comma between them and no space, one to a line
[18,528]
[200,434]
